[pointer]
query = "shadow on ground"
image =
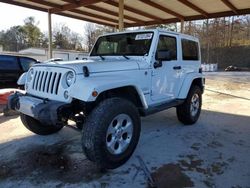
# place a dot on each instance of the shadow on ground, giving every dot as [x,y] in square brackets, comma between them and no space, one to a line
[198,149]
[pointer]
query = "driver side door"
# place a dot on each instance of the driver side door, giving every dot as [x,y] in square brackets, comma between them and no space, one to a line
[165,78]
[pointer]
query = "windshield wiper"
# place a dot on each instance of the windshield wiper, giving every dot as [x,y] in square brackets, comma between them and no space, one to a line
[126,57]
[102,57]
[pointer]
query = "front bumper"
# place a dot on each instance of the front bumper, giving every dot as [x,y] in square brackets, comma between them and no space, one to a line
[41,109]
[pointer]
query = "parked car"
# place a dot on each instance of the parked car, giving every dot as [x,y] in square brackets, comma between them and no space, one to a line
[234,68]
[12,67]
[127,75]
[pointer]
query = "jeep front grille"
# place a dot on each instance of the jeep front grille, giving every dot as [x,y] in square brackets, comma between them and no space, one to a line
[46,81]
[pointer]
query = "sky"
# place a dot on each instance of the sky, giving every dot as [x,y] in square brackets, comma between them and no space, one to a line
[15,15]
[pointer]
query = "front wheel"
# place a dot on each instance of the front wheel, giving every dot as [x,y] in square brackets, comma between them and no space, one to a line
[37,127]
[189,112]
[111,133]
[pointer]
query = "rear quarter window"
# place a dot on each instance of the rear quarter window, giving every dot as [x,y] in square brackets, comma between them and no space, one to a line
[8,63]
[190,50]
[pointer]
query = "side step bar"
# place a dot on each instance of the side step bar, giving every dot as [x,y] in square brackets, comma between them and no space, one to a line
[160,107]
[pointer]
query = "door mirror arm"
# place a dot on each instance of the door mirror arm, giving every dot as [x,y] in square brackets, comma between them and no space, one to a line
[157,64]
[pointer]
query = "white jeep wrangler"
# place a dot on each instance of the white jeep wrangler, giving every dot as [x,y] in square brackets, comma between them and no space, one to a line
[127,75]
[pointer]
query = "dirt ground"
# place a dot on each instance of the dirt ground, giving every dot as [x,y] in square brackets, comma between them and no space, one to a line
[212,153]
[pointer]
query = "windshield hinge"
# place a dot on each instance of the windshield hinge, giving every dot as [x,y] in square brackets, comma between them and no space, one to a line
[152,73]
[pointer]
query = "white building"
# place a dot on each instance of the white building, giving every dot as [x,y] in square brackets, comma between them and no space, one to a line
[41,54]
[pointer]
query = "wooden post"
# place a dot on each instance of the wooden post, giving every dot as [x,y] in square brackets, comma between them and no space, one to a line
[50,35]
[121,15]
[182,26]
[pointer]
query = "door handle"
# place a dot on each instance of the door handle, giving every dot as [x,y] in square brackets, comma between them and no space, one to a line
[177,67]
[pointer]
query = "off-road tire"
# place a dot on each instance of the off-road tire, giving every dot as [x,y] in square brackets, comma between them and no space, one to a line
[96,127]
[183,111]
[79,126]
[80,122]
[37,127]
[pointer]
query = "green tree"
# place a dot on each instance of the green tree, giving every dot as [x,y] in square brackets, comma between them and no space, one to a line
[33,34]
[22,36]
[64,38]
[169,27]
[13,39]
[93,31]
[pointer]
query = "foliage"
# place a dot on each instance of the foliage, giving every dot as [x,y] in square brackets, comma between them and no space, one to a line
[217,33]
[169,27]
[92,31]
[64,38]
[20,37]
[29,35]
[33,35]
[13,39]
[220,33]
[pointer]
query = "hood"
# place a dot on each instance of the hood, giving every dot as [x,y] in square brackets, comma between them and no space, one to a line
[96,66]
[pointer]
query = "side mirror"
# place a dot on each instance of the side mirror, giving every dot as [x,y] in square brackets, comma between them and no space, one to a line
[163,55]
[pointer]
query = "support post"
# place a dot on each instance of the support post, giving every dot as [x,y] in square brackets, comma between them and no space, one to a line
[50,35]
[121,15]
[182,26]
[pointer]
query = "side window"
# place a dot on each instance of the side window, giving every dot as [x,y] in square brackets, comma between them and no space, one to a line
[26,63]
[190,50]
[8,63]
[168,43]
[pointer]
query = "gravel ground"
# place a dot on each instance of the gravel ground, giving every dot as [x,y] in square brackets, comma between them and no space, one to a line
[212,153]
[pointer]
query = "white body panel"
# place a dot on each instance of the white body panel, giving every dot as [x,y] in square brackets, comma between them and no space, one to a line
[22,79]
[153,85]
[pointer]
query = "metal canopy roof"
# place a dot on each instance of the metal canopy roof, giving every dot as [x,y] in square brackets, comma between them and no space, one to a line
[138,12]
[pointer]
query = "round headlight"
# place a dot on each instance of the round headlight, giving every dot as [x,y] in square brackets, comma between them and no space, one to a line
[69,78]
[30,74]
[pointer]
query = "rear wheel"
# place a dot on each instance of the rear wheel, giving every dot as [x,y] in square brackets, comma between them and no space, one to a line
[189,112]
[111,133]
[37,127]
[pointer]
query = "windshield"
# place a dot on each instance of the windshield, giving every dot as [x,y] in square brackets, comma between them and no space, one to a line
[134,44]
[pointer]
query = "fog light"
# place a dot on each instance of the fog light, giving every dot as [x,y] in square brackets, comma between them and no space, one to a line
[66,94]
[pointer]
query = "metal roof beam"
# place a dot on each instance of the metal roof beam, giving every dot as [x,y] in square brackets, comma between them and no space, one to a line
[121,15]
[93,15]
[109,22]
[71,1]
[109,12]
[136,11]
[87,19]
[45,3]
[75,5]
[56,6]
[24,5]
[230,5]
[63,14]
[164,9]
[190,18]
[194,7]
